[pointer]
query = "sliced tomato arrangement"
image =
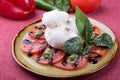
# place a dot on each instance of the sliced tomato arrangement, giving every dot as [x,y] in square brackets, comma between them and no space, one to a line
[33,44]
[36,45]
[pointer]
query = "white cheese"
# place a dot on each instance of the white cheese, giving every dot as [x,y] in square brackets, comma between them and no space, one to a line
[60,28]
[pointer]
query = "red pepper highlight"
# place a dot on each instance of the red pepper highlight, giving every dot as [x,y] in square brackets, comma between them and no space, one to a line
[17,9]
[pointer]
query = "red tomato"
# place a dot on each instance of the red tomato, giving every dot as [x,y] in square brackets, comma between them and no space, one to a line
[96,30]
[85,5]
[99,50]
[58,56]
[34,29]
[30,46]
[68,66]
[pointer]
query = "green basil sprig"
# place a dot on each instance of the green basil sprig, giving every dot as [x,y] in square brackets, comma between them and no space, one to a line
[104,40]
[75,44]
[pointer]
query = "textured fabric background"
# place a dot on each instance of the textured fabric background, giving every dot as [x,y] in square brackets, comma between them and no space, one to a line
[108,13]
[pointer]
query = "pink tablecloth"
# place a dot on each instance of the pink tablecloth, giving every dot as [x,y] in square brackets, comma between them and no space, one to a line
[108,13]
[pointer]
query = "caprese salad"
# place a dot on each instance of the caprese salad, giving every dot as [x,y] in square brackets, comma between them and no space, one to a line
[68,43]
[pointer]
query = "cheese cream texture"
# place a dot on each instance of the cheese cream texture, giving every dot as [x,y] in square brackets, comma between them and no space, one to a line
[60,28]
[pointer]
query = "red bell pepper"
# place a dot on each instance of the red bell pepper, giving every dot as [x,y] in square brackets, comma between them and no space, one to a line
[17,9]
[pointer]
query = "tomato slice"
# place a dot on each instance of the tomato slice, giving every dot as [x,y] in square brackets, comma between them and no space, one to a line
[82,62]
[96,30]
[99,50]
[36,28]
[58,56]
[25,48]
[30,46]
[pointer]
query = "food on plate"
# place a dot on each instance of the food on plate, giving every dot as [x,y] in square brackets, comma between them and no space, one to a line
[17,9]
[65,42]
[85,5]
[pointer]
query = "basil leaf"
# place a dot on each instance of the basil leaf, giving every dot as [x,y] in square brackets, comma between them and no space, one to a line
[104,40]
[83,24]
[86,50]
[62,4]
[87,32]
[73,46]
